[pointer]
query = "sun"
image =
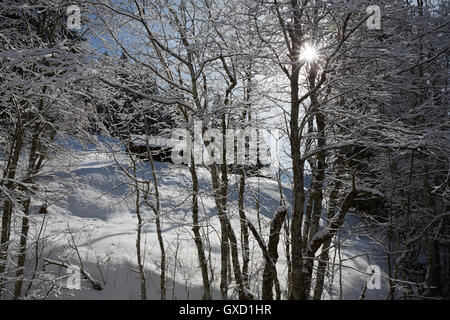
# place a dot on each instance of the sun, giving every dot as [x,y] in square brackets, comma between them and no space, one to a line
[309,53]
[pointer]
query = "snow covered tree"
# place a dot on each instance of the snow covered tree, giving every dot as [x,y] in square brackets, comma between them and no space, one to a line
[41,76]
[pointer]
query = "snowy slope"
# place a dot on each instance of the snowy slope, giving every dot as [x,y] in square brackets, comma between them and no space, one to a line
[94,203]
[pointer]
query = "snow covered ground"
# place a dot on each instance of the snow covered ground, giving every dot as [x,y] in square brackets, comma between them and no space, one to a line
[92,207]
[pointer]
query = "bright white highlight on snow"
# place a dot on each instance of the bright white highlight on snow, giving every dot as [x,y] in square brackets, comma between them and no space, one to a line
[309,53]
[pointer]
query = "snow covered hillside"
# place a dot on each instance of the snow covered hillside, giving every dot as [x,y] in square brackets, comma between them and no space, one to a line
[92,219]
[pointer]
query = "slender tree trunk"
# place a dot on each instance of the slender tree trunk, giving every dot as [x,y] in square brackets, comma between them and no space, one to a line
[287,248]
[324,256]
[140,261]
[220,187]
[157,211]
[197,236]
[36,158]
[270,273]
[228,238]
[309,209]
[224,242]
[244,230]
[10,174]
[390,256]
[319,176]
[433,276]
[22,251]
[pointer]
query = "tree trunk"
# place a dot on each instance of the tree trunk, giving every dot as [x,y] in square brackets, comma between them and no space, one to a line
[244,230]
[9,173]
[138,240]
[324,256]
[22,251]
[157,211]
[270,272]
[298,192]
[37,151]
[197,235]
